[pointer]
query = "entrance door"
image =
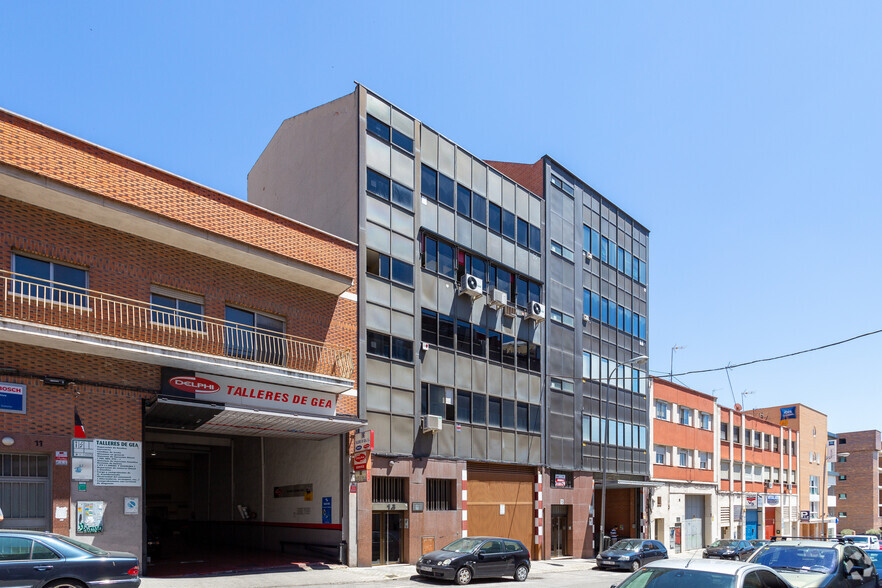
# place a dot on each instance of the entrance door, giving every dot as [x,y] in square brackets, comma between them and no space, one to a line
[386,540]
[559,517]
[693,523]
[751,521]
[770,523]
[24,491]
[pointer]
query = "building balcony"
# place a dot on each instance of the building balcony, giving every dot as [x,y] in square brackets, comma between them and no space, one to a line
[49,314]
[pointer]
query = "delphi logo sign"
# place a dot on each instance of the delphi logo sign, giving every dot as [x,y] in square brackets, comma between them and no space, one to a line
[194,384]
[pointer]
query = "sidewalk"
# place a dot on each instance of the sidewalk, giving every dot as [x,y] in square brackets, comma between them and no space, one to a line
[336,574]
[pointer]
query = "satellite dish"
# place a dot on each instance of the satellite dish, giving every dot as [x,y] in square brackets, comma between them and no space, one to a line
[738,407]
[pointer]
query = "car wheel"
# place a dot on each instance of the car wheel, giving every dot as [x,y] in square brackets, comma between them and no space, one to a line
[64,584]
[463,576]
[635,565]
[521,573]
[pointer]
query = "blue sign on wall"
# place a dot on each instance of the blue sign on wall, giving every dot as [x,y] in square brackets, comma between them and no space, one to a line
[788,413]
[326,510]
[12,397]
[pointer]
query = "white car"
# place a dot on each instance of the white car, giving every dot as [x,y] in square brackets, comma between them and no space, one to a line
[865,542]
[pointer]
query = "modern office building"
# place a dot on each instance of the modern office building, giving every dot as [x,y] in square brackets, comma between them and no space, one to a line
[596,344]
[451,311]
[858,475]
[811,427]
[176,365]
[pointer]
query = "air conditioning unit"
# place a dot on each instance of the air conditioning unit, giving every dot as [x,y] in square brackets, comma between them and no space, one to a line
[536,312]
[585,318]
[424,346]
[430,423]
[471,285]
[588,257]
[510,310]
[497,298]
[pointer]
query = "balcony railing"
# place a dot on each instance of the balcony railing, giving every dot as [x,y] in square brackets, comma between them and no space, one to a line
[34,300]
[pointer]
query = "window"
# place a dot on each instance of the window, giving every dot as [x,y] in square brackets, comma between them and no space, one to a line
[757,439]
[445,331]
[446,190]
[479,341]
[736,434]
[704,459]
[378,128]
[562,185]
[440,494]
[561,251]
[479,409]
[523,236]
[253,335]
[446,266]
[508,224]
[841,459]
[662,455]
[724,470]
[174,309]
[463,201]
[402,196]
[814,485]
[383,266]
[842,477]
[561,385]
[535,418]
[18,549]
[705,420]
[495,218]
[522,416]
[50,281]
[399,139]
[378,185]
[494,411]
[684,458]
[685,416]
[463,406]
[463,337]
[494,346]
[843,495]
[724,431]
[561,317]
[479,209]
[429,183]
[438,401]
[661,410]
[535,239]
[843,440]
[429,327]
[508,414]
[388,346]
[843,514]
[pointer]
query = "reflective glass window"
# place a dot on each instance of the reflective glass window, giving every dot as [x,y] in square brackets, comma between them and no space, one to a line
[429,183]
[446,190]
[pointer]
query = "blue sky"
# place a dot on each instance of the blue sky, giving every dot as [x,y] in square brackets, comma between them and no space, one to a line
[745,136]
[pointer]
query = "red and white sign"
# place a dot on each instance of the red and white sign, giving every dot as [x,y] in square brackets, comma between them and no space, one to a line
[560,481]
[237,392]
[363,440]
[361,460]
[61,458]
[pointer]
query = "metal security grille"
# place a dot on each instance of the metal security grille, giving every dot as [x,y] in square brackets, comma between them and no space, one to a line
[24,491]
[439,494]
[388,489]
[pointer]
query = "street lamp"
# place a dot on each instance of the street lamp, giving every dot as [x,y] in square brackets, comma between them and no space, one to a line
[605,443]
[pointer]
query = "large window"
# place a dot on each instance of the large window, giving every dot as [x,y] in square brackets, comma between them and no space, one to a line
[438,401]
[50,280]
[383,266]
[254,335]
[440,494]
[389,346]
[180,310]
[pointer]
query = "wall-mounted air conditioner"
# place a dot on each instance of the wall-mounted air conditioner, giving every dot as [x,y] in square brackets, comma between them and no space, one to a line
[471,285]
[536,312]
[497,298]
[430,423]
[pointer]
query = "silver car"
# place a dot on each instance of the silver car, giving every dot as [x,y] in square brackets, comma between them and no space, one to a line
[704,573]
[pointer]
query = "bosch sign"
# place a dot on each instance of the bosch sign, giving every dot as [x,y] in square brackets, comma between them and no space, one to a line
[194,384]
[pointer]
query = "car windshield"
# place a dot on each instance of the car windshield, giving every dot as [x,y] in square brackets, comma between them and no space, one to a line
[857,539]
[80,545]
[464,545]
[797,558]
[627,545]
[723,543]
[666,578]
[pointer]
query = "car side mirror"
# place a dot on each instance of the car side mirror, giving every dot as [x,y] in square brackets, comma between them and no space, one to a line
[481,554]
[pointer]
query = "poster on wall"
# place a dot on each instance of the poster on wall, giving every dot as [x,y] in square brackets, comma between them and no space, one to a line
[81,468]
[90,517]
[117,463]
[13,397]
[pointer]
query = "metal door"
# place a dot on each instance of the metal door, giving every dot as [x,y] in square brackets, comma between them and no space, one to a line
[386,538]
[693,523]
[751,520]
[24,491]
[559,516]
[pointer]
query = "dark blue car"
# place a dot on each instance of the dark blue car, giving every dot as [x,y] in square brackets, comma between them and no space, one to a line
[46,560]
[630,554]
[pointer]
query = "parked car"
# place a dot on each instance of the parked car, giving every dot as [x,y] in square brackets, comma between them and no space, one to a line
[630,554]
[865,542]
[876,557]
[477,557]
[757,543]
[700,573]
[728,549]
[47,560]
[816,562]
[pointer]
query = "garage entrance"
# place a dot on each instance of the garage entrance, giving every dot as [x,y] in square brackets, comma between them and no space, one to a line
[500,502]
[693,523]
[24,491]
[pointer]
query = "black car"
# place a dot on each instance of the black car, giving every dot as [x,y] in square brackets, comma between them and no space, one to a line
[47,560]
[630,554]
[819,563]
[728,549]
[477,557]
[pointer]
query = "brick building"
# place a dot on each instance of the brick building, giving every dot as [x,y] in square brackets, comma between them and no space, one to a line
[811,426]
[859,479]
[206,344]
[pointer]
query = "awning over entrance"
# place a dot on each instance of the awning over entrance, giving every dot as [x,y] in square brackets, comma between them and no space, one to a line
[182,415]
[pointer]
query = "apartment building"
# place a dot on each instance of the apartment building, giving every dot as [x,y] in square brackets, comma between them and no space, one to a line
[811,426]
[595,342]
[685,432]
[759,477]
[451,321]
[858,477]
[175,363]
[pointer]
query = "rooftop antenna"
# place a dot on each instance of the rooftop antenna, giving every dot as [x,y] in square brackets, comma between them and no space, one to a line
[746,393]
[673,349]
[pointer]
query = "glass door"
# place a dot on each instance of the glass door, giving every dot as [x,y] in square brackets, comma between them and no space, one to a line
[559,516]
[386,538]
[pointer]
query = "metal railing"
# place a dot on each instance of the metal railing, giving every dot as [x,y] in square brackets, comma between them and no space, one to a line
[35,300]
